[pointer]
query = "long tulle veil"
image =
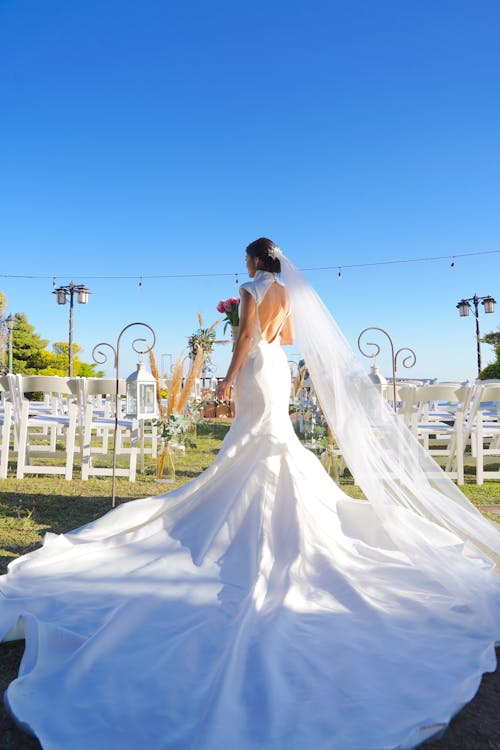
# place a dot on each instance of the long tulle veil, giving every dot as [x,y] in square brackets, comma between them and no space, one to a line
[403,484]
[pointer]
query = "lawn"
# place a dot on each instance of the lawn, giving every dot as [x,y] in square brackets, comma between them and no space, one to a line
[34,505]
[37,504]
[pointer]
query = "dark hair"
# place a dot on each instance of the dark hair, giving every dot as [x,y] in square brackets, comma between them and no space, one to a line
[261,248]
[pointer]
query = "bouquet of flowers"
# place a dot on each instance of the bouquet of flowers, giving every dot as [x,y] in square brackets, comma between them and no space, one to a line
[230,307]
[203,339]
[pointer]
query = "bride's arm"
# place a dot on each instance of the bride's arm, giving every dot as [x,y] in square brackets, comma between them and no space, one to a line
[245,336]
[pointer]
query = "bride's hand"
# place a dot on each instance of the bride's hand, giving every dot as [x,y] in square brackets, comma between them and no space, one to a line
[223,390]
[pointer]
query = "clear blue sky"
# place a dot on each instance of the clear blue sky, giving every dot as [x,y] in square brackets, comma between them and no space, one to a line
[153,138]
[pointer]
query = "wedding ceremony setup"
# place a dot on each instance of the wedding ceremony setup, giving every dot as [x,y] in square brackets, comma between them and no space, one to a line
[249,375]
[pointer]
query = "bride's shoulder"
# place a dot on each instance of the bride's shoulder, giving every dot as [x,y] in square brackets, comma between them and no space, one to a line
[250,287]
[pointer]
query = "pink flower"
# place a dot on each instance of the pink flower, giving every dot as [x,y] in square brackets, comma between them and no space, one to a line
[230,307]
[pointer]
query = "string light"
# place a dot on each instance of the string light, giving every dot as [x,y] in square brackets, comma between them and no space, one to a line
[140,282]
[404,260]
[340,273]
[428,259]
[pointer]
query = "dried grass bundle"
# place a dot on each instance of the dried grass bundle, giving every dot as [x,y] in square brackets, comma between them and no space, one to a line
[194,372]
[156,375]
[160,462]
[298,381]
[175,387]
[178,395]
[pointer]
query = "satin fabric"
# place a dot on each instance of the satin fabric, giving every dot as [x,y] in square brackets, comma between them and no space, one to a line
[255,607]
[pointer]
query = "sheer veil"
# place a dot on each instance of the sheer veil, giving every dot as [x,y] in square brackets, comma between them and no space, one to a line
[403,484]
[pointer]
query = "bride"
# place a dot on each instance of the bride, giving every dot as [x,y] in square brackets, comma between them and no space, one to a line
[259,607]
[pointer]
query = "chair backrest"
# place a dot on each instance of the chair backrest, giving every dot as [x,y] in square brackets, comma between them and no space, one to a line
[105,386]
[97,386]
[4,389]
[404,391]
[405,397]
[44,384]
[448,399]
[489,392]
[447,392]
[55,389]
[97,393]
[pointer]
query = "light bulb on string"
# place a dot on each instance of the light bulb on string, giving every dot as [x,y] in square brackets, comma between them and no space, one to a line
[339,274]
[140,283]
[54,282]
[237,281]
[452,264]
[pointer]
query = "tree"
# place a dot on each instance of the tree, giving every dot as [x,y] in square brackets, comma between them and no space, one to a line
[4,333]
[31,357]
[56,362]
[27,347]
[492,371]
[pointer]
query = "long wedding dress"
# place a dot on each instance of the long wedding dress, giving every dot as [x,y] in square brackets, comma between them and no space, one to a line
[257,607]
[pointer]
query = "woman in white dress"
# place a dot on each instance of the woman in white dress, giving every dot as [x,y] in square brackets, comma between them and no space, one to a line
[258,607]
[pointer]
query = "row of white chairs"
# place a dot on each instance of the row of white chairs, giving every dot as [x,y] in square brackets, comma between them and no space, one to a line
[454,421]
[451,419]
[75,415]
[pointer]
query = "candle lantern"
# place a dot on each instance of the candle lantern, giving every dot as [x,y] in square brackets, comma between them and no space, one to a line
[141,394]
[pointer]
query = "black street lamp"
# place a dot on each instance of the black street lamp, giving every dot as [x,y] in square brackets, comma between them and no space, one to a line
[464,308]
[10,326]
[63,294]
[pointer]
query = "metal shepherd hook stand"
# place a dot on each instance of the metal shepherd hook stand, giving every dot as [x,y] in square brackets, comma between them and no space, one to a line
[101,358]
[408,361]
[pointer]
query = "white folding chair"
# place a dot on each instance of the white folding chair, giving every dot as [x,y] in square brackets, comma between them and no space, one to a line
[48,432]
[96,405]
[485,413]
[5,424]
[441,424]
[405,399]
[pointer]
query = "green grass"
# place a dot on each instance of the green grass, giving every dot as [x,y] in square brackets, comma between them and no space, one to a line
[39,503]
[32,506]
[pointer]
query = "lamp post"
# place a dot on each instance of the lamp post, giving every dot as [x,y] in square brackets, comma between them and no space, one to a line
[464,308]
[64,293]
[10,326]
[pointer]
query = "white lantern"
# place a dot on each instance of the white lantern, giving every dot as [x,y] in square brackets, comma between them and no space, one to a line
[83,295]
[141,394]
[463,308]
[376,376]
[489,304]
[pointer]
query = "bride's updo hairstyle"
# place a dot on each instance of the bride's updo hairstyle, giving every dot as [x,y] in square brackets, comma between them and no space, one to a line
[267,253]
